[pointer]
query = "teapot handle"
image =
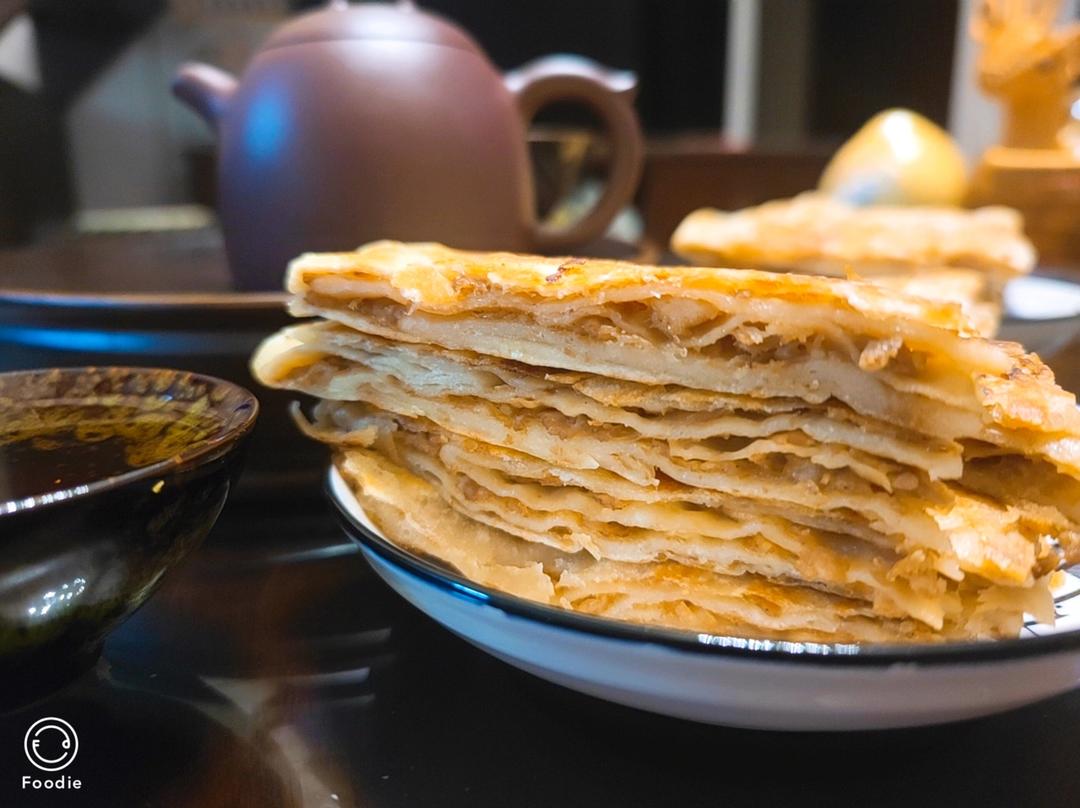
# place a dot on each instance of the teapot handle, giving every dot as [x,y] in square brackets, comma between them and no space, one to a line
[610,94]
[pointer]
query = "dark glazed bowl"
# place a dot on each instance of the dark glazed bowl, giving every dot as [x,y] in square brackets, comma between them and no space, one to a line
[75,562]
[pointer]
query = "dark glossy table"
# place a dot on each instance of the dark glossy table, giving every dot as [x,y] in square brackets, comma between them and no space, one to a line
[274,669]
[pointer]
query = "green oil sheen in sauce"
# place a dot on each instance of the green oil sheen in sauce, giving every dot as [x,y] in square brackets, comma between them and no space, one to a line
[62,446]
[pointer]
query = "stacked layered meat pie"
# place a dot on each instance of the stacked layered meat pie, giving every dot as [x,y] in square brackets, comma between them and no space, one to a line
[738,452]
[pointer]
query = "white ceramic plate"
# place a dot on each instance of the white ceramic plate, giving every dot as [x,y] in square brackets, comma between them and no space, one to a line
[1041,313]
[733,680]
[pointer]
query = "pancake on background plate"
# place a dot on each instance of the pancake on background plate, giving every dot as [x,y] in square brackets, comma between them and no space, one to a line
[733,451]
[942,253]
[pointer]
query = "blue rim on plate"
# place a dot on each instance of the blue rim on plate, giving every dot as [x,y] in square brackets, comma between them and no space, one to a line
[777,651]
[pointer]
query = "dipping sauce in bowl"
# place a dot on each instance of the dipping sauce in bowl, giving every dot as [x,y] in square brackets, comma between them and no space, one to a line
[108,476]
[56,447]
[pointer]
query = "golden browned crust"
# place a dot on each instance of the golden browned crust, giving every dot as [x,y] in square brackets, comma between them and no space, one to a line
[442,280]
[1013,389]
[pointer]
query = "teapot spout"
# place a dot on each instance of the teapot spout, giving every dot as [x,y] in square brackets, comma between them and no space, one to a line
[205,89]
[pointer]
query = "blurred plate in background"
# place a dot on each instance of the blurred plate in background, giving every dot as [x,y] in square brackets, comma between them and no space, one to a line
[1042,313]
[155,299]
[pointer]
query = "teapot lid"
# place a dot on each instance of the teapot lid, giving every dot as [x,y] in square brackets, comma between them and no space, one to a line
[400,22]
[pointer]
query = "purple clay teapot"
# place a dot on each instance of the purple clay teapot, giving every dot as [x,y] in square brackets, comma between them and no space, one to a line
[355,123]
